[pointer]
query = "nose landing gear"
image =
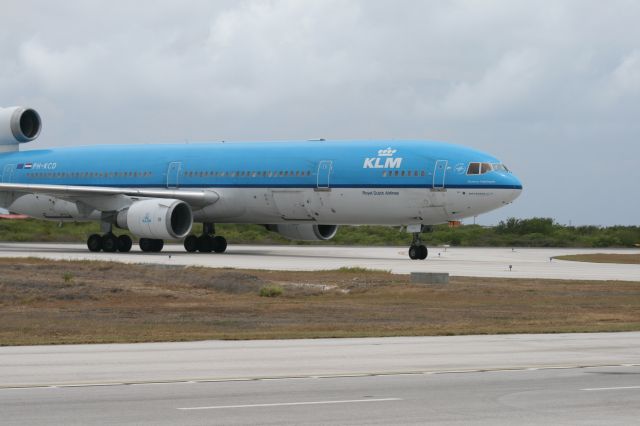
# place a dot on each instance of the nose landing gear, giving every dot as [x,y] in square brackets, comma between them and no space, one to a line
[417,250]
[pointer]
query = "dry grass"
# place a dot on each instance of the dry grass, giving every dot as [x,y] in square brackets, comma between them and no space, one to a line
[47,302]
[603,258]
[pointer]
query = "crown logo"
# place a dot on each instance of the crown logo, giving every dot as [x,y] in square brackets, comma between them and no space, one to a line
[386,152]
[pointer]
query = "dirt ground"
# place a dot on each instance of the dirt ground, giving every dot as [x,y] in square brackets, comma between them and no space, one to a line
[48,302]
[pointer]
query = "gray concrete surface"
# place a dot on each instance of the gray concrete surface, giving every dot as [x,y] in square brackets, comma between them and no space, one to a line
[523,379]
[232,360]
[574,396]
[482,262]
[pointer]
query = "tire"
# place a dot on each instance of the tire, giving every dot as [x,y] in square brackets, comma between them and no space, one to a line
[191,243]
[94,243]
[423,252]
[109,243]
[205,244]
[413,252]
[157,246]
[124,243]
[219,244]
[145,244]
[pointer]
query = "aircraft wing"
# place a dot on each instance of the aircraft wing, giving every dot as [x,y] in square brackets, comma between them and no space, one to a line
[197,197]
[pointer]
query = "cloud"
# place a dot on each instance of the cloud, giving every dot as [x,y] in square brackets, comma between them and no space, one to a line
[516,78]
[499,90]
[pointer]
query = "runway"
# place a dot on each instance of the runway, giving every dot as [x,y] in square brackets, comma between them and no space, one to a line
[530,379]
[480,262]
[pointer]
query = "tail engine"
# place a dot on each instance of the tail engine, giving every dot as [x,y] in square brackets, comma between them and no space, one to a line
[18,125]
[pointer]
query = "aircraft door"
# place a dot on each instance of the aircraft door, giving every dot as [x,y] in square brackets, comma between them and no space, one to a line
[173,174]
[324,173]
[7,173]
[439,172]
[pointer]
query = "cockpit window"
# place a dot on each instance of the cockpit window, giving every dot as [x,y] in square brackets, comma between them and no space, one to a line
[500,167]
[482,168]
[473,169]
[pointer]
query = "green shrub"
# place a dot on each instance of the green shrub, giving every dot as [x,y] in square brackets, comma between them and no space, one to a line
[271,290]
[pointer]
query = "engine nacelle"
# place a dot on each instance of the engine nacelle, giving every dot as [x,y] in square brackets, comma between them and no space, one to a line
[18,125]
[305,232]
[157,218]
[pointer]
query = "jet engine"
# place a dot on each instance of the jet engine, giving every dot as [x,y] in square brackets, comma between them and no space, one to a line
[305,232]
[18,125]
[157,218]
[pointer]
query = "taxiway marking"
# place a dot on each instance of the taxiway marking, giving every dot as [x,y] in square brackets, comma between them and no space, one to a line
[285,404]
[615,388]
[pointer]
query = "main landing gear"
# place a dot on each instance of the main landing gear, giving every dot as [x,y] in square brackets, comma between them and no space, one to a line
[109,243]
[207,242]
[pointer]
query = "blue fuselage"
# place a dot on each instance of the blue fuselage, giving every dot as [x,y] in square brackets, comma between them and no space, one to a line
[348,182]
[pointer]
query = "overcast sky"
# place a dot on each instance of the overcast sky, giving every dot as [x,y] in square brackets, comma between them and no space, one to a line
[552,88]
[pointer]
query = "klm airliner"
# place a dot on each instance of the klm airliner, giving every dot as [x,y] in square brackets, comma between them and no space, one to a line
[301,189]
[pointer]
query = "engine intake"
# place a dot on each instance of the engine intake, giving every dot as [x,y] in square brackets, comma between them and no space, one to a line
[157,218]
[305,232]
[19,125]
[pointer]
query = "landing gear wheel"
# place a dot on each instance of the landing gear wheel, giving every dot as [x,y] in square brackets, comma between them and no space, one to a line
[151,245]
[145,244]
[422,252]
[109,243]
[158,245]
[191,243]
[413,252]
[418,252]
[124,243]
[219,244]
[205,243]
[94,242]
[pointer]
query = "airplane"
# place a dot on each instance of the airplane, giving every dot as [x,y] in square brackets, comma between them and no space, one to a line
[303,190]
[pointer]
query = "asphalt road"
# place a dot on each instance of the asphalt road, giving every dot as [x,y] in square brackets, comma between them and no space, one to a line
[479,262]
[525,379]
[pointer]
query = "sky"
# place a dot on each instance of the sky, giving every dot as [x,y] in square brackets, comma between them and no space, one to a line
[552,88]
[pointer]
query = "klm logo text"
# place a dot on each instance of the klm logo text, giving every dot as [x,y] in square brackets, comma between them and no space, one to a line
[384,160]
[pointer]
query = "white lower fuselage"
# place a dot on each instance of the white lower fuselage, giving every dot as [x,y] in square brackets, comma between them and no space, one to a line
[336,206]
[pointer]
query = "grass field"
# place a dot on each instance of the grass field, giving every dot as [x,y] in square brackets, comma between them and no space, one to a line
[48,302]
[534,232]
[603,258]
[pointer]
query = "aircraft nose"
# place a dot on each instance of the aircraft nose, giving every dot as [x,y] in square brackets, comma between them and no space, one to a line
[515,185]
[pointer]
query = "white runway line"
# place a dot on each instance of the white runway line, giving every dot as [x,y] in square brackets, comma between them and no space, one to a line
[285,404]
[615,388]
